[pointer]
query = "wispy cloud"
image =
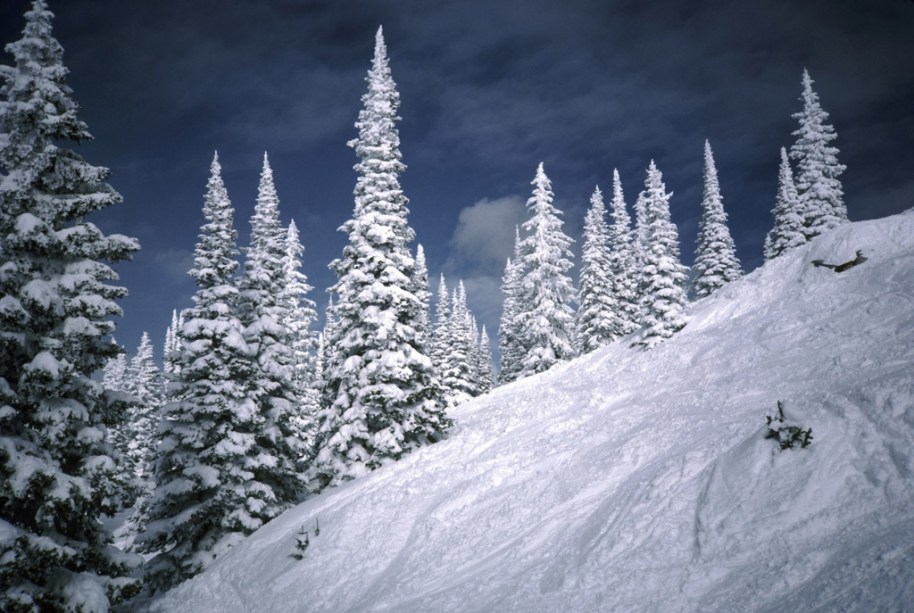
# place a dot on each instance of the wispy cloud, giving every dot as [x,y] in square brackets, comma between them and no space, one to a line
[484,236]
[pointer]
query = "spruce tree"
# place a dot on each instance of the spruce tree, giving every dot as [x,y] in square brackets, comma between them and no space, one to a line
[171,345]
[458,374]
[424,294]
[266,296]
[384,398]
[327,352]
[788,231]
[319,360]
[441,329]
[623,270]
[114,374]
[484,370]
[117,379]
[508,334]
[820,192]
[143,420]
[474,358]
[639,251]
[58,473]
[716,263]
[137,437]
[597,312]
[663,275]
[300,314]
[209,429]
[546,318]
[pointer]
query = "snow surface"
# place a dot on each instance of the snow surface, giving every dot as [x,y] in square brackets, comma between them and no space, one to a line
[631,480]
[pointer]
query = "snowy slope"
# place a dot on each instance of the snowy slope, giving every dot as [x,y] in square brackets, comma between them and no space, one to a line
[641,481]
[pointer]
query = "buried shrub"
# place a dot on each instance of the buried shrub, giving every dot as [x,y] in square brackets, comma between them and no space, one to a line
[787,435]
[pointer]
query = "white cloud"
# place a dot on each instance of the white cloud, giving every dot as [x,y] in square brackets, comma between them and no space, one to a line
[174,263]
[484,237]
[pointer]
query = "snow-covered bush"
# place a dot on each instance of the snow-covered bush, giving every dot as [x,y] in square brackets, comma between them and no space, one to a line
[787,435]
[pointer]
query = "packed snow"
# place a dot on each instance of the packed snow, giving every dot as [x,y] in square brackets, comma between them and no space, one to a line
[634,480]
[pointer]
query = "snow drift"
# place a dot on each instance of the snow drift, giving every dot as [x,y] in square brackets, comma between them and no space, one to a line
[641,481]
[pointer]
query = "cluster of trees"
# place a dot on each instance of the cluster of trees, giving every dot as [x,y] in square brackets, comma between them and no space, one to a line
[252,409]
[460,350]
[59,471]
[813,201]
[631,277]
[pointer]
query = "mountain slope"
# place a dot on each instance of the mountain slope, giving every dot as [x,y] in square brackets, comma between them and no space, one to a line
[641,481]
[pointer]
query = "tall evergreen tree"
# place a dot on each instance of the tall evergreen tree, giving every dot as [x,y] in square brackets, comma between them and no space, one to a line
[597,311]
[171,355]
[484,369]
[788,231]
[441,330]
[458,372]
[326,351]
[203,467]
[663,275]
[172,344]
[58,473]
[819,188]
[475,358]
[640,242]
[512,352]
[117,379]
[546,318]
[424,294]
[137,438]
[623,271]
[265,312]
[319,361]
[384,397]
[114,374]
[300,314]
[716,263]
[143,420]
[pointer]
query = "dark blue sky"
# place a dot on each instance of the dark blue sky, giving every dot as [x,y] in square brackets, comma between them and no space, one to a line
[489,89]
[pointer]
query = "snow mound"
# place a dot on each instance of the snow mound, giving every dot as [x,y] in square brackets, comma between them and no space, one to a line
[641,481]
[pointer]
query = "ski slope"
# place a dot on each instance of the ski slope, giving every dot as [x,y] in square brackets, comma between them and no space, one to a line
[641,481]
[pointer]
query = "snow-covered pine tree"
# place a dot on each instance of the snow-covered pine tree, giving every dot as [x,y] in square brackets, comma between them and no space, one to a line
[171,355]
[118,381]
[639,251]
[424,294]
[326,351]
[265,312]
[441,330]
[546,317]
[301,313]
[623,270]
[384,396]
[716,263]
[475,358]
[512,352]
[58,473]
[484,369]
[203,464]
[137,438]
[788,231]
[820,192]
[663,275]
[458,374]
[172,345]
[319,360]
[114,375]
[596,317]
[143,419]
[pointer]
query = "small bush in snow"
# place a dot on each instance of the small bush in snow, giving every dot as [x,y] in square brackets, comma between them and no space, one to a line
[787,435]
